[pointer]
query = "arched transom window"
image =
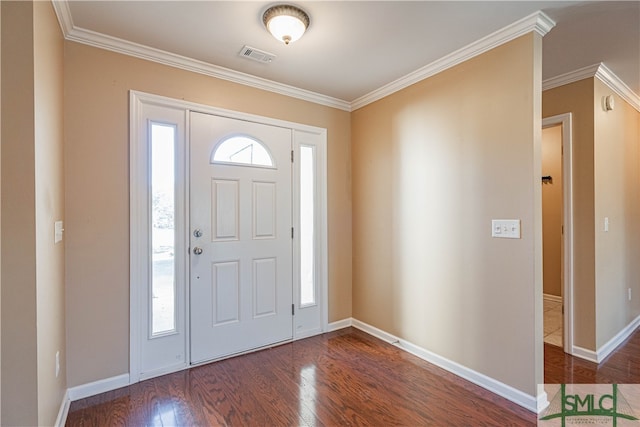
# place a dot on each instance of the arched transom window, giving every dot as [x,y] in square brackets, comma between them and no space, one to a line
[242,150]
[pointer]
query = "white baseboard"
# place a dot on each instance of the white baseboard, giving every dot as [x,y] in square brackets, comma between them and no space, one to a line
[604,351]
[543,401]
[552,298]
[618,339]
[340,324]
[585,354]
[527,401]
[61,420]
[97,387]
[532,403]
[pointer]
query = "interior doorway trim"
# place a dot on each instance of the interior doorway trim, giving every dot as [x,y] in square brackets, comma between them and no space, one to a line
[139,103]
[567,239]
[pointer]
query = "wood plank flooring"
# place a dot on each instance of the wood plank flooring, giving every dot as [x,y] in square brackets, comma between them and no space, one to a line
[621,367]
[341,378]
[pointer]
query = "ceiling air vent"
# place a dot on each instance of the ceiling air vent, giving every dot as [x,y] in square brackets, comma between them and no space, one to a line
[257,55]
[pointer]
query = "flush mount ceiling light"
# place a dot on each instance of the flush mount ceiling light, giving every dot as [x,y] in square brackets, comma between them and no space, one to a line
[286,23]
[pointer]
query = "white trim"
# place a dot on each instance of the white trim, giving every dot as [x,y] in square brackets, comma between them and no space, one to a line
[97,387]
[147,352]
[63,13]
[584,353]
[551,298]
[323,238]
[565,120]
[303,326]
[125,47]
[607,77]
[61,420]
[618,339]
[537,21]
[605,350]
[152,99]
[570,77]
[339,324]
[543,401]
[525,400]
[137,100]
[604,74]
[135,241]
[504,390]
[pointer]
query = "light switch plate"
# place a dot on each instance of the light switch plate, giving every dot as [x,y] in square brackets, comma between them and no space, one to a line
[505,228]
[57,233]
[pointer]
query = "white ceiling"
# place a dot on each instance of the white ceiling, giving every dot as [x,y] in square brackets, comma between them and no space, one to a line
[355,47]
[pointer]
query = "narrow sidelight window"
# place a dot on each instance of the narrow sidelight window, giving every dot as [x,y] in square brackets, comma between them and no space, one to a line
[163,232]
[307,226]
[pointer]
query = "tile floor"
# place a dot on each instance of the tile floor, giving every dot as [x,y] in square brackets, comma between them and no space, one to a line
[553,322]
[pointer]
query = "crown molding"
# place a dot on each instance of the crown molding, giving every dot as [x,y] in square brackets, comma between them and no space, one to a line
[125,47]
[604,74]
[114,44]
[63,13]
[607,77]
[570,77]
[538,22]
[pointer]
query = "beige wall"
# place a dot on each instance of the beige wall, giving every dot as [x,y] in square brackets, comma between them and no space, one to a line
[19,357]
[97,192]
[577,98]
[606,183]
[49,186]
[32,176]
[552,210]
[617,196]
[425,188]
[432,165]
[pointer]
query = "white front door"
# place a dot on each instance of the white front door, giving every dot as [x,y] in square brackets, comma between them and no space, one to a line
[240,236]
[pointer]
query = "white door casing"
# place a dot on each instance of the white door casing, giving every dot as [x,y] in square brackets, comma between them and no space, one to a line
[241,265]
[565,120]
[151,356]
[310,319]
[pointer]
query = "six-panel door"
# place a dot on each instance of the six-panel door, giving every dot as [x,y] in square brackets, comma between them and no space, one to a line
[241,245]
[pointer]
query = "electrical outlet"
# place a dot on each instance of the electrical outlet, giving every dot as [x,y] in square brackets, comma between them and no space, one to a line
[57,364]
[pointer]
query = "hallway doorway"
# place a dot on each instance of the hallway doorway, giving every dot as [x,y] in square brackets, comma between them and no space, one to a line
[557,241]
[552,223]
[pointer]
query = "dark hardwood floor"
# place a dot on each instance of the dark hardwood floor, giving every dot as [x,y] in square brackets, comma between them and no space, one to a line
[621,367]
[341,378]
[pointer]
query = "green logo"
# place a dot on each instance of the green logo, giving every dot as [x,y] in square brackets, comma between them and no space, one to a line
[585,408]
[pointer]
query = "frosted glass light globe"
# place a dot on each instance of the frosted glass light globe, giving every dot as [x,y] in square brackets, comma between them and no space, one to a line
[286,23]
